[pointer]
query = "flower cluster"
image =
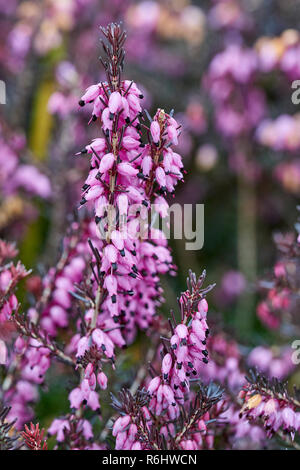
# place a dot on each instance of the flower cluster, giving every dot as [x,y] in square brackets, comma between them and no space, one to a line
[282,297]
[183,352]
[126,176]
[270,402]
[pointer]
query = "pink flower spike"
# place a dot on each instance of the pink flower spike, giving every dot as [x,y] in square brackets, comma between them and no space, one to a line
[3,352]
[120,424]
[91,93]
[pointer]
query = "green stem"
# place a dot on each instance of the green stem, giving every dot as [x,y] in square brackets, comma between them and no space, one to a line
[247,252]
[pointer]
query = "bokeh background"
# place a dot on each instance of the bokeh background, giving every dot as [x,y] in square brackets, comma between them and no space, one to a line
[225,66]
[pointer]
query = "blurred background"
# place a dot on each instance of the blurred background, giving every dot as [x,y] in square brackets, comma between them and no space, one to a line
[225,66]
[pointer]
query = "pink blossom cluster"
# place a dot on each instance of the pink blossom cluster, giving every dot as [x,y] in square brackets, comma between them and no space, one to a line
[76,433]
[125,431]
[169,392]
[125,176]
[182,357]
[129,434]
[33,357]
[281,299]
[134,428]
[106,285]
[10,276]
[16,176]
[239,104]
[32,360]
[21,392]
[230,15]
[276,413]
[272,362]
[280,53]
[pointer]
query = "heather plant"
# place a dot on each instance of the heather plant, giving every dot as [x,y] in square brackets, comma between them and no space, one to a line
[196,387]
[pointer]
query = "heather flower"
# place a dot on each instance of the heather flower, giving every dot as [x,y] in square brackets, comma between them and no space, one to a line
[105,287]
[3,352]
[125,174]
